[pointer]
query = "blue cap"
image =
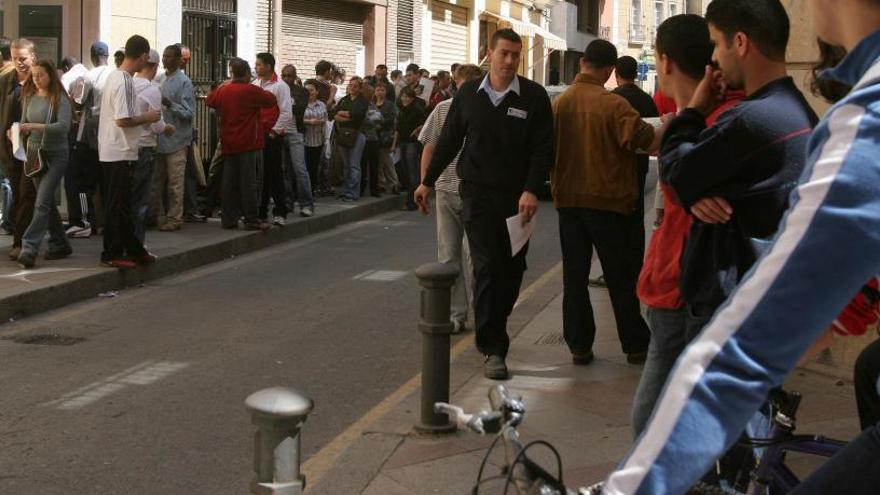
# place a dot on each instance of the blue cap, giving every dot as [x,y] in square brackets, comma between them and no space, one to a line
[100,49]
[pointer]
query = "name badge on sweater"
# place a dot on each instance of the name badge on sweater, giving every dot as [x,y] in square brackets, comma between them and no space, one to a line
[516,112]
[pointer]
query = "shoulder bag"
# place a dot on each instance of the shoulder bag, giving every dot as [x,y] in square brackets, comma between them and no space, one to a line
[36,162]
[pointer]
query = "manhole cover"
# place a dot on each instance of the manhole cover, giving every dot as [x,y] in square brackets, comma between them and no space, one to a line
[550,339]
[48,339]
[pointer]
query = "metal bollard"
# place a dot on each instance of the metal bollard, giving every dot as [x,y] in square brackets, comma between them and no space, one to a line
[279,413]
[436,280]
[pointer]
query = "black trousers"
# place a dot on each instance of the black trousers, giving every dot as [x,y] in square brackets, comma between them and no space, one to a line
[370,167]
[273,178]
[638,223]
[865,378]
[119,235]
[579,230]
[313,164]
[855,470]
[84,178]
[497,275]
[24,195]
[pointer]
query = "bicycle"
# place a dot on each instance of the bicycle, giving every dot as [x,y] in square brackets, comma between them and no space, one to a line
[770,475]
[520,471]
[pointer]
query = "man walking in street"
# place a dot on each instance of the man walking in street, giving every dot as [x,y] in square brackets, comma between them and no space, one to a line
[178,102]
[239,104]
[119,131]
[277,124]
[451,239]
[595,190]
[508,124]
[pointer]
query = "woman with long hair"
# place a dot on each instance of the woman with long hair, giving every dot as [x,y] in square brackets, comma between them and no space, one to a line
[45,122]
[350,114]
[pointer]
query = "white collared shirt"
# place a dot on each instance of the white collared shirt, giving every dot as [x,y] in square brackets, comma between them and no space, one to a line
[495,96]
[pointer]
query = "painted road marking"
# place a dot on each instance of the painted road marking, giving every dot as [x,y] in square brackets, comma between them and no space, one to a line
[380,275]
[318,465]
[146,373]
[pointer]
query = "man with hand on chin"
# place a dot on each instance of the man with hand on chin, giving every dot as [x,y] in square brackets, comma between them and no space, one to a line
[508,123]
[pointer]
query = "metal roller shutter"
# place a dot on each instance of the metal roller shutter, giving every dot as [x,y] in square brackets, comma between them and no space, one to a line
[312,30]
[449,35]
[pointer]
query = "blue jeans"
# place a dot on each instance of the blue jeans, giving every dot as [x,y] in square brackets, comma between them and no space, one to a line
[46,216]
[351,159]
[410,155]
[295,171]
[671,331]
[6,207]
[141,184]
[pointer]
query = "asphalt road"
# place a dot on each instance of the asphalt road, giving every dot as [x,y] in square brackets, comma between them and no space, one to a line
[151,402]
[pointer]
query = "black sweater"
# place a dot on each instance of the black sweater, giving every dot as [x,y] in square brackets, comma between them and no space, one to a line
[753,157]
[504,151]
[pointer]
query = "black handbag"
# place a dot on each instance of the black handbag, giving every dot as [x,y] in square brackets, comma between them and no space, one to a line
[37,163]
[346,136]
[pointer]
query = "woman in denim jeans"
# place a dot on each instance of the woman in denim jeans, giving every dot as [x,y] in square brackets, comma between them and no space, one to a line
[409,125]
[351,110]
[46,121]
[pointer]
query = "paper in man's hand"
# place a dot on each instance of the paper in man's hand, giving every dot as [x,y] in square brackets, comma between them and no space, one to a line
[519,233]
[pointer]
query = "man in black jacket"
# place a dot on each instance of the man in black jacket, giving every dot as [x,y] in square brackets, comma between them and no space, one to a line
[626,71]
[296,180]
[508,123]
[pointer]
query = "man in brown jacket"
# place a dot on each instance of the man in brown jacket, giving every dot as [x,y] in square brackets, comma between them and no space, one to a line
[595,190]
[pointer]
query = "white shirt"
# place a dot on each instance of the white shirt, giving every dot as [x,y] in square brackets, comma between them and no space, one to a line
[149,97]
[118,144]
[495,96]
[285,123]
[69,78]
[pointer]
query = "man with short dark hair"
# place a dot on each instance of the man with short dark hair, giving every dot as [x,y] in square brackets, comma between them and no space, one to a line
[683,50]
[443,90]
[178,110]
[277,123]
[381,77]
[119,131]
[508,124]
[239,104]
[595,190]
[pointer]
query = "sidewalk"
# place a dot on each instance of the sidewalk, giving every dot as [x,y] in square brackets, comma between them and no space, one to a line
[584,411]
[52,284]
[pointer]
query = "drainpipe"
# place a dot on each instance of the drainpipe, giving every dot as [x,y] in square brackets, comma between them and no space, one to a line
[276,18]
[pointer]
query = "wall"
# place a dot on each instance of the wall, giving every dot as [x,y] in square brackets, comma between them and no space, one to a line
[128,18]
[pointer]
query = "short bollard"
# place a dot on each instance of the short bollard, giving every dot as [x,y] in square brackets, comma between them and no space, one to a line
[436,280]
[279,413]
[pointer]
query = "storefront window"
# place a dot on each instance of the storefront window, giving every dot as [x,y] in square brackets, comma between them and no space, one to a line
[42,24]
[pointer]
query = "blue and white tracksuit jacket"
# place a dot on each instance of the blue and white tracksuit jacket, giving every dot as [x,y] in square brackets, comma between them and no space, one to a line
[827,245]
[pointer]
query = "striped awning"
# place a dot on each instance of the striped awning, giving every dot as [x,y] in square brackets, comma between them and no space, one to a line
[551,41]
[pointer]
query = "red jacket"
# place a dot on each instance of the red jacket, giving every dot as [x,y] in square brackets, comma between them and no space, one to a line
[659,281]
[239,105]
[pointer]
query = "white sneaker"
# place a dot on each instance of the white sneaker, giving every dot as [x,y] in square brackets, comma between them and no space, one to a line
[306,212]
[77,232]
[279,221]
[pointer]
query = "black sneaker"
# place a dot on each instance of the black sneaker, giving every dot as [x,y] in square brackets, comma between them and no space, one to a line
[636,357]
[582,358]
[27,259]
[598,282]
[60,254]
[496,369]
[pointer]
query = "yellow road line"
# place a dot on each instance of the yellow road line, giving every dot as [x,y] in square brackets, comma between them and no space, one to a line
[318,465]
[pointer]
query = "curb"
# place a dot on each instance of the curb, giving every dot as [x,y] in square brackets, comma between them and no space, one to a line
[47,298]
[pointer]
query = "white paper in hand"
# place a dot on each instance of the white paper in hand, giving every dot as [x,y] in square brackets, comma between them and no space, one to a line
[18,150]
[519,233]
